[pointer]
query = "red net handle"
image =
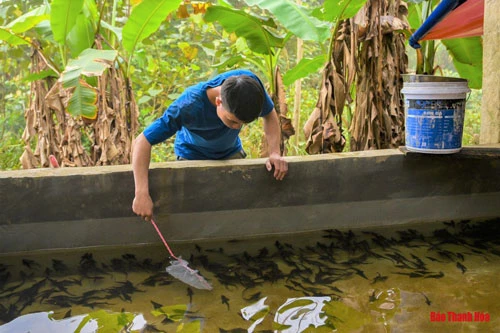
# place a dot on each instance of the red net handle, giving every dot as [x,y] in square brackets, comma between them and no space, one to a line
[163,239]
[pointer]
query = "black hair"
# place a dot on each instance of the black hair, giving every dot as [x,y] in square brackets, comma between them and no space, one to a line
[243,96]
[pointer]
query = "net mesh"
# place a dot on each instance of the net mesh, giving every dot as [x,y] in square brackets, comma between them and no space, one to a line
[179,269]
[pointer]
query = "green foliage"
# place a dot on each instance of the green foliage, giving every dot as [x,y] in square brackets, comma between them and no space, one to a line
[89,63]
[145,19]
[305,67]
[63,17]
[255,31]
[467,56]
[295,18]
[335,10]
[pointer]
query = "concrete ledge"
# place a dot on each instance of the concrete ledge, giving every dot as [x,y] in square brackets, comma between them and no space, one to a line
[83,207]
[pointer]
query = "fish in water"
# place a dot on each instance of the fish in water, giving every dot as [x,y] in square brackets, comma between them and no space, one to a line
[379,278]
[67,314]
[435,276]
[225,300]
[461,267]
[62,285]
[427,300]
[30,263]
[190,294]
[254,297]
[59,266]
[156,305]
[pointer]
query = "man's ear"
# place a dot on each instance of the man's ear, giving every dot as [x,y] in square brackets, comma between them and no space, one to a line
[218,101]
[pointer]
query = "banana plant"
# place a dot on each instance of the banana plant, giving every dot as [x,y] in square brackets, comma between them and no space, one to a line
[72,26]
[84,63]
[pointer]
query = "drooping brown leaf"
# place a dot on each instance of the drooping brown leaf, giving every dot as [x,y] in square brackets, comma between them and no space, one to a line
[378,120]
[368,52]
[55,132]
[323,129]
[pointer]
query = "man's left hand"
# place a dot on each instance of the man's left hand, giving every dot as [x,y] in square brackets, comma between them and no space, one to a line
[280,166]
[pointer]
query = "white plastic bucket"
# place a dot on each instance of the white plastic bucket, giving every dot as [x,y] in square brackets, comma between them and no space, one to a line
[434,113]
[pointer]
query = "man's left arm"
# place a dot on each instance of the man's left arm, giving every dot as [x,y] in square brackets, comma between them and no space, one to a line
[273,137]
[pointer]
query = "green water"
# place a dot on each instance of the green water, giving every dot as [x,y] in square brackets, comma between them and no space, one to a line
[420,278]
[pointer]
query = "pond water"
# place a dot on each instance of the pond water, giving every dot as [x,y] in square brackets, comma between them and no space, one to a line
[440,277]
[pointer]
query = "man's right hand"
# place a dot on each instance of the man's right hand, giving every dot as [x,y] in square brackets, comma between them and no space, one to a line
[143,206]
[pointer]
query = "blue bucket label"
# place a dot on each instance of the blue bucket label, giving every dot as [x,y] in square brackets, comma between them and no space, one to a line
[434,124]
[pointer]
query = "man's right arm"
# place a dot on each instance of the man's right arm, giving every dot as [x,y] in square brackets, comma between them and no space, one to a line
[142,204]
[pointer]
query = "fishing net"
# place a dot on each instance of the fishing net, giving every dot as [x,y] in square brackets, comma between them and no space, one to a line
[179,268]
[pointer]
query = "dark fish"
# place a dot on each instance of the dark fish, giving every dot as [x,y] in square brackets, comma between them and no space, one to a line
[219,250]
[356,261]
[434,259]
[198,248]
[225,300]
[418,262]
[156,305]
[149,265]
[59,266]
[150,328]
[123,291]
[379,278]
[253,298]
[435,276]
[263,252]
[62,285]
[359,272]
[461,267]
[67,314]
[30,263]
[4,278]
[190,294]
[27,296]
[292,288]
[43,295]
[161,279]
[447,254]
[323,278]
[411,274]
[167,320]
[10,313]
[62,301]
[234,330]
[94,305]
[119,265]
[26,277]
[336,289]
[427,300]
[129,257]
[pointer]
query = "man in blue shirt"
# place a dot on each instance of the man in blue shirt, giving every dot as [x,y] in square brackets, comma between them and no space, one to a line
[207,119]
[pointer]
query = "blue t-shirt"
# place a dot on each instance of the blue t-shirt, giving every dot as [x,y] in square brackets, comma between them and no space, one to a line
[201,135]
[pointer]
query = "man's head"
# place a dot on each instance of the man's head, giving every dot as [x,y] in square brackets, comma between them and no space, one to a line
[243,97]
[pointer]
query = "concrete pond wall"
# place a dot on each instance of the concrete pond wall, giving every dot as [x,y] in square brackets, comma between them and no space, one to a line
[195,200]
